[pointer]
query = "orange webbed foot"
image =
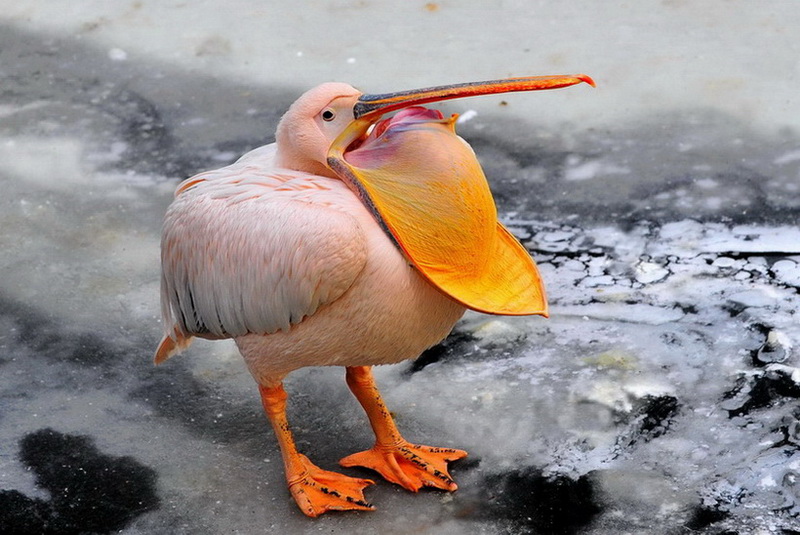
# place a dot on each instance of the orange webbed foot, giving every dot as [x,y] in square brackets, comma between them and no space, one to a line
[409,465]
[316,490]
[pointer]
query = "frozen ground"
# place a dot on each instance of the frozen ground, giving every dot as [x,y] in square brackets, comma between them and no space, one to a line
[660,397]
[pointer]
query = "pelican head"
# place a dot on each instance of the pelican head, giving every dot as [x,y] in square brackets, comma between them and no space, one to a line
[312,123]
[334,115]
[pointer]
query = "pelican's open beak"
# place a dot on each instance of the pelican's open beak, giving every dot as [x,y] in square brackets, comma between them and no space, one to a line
[369,108]
[425,187]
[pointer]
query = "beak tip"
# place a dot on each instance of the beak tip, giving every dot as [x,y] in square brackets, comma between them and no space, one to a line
[587,79]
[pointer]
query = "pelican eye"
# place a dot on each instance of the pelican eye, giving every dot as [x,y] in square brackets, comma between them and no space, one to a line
[328,115]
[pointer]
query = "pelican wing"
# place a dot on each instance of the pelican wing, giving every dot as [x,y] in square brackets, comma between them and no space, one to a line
[252,250]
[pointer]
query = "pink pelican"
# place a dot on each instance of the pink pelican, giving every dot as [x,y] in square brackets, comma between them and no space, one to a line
[351,241]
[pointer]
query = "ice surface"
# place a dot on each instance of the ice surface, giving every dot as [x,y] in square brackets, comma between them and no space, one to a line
[660,396]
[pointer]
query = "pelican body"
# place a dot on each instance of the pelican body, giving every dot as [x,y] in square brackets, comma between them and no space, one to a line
[353,240]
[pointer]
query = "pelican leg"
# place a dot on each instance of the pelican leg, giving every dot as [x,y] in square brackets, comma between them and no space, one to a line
[315,490]
[409,465]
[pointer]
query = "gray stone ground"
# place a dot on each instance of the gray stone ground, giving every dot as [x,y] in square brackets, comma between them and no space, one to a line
[660,397]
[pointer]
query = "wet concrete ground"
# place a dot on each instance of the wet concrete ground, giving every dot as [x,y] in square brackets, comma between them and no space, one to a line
[660,397]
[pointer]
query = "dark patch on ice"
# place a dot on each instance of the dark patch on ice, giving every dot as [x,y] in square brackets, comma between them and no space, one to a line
[530,502]
[656,413]
[90,492]
[703,517]
[733,309]
[753,392]
[687,308]
[22,515]
[50,341]
[651,418]
[151,144]
[458,344]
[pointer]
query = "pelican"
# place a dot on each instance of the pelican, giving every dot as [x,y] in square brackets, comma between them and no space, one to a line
[353,240]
